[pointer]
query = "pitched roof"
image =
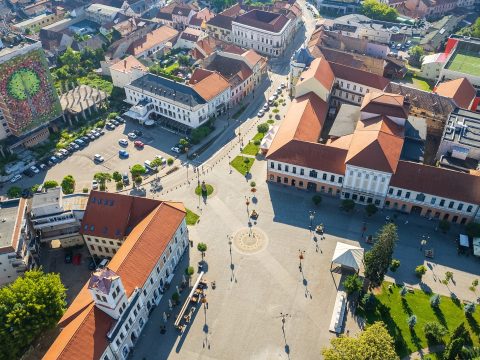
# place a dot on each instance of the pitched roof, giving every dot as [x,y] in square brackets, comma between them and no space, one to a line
[203,15]
[156,37]
[385,104]
[126,212]
[460,90]
[319,69]
[376,144]
[127,64]
[221,21]
[437,181]
[235,71]
[252,57]
[211,86]
[264,20]
[359,76]
[191,34]
[85,327]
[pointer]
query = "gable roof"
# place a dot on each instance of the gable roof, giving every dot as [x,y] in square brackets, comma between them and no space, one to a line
[438,181]
[359,76]
[211,85]
[127,64]
[320,70]
[84,326]
[376,144]
[385,104]
[156,37]
[264,20]
[460,90]
[221,21]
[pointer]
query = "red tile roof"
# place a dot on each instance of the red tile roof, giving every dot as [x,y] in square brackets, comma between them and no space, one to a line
[157,37]
[85,327]
[437,181]
[460,90]
[359,76]
[263,20]
[319,69]
[211,86]
[385,104]
[124,211]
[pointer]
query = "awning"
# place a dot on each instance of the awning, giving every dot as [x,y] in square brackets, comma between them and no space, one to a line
[463,240]
[149,122]
[476,246]
[348,255]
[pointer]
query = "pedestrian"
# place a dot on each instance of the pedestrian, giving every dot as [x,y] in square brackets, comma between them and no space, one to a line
[406,222]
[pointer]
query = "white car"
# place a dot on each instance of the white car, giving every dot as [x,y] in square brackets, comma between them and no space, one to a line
[261,113]
[94,184]
[176,150]
[132,136]
[123,142]
[98,158]
[283,85]
[265,107]
[34,169]
[15,178]
[162,159]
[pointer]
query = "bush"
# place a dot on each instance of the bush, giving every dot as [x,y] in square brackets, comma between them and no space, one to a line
[119,185]
[138,180]
[469,308]
[352,284]
[403,291]
[435,301]
[85,190]
[434,331]
[473,229]
[317,199]
[170,161]
[189,271]
[348,205]
[137,170]
[14,192]
[444,225]
[263,128]
[257,142]
[371,209]
[420,270]
[200,133]
[68,184]
[412,321]
[116,176]
[394,265]
[253,184]
[175,297]
[49,184]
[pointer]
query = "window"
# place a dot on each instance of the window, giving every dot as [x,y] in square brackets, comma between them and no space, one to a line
[135,312]
[469,208]
[313,173]
[151,281]
[407,195]
[340,179]
[92,247]
[294,170]
[120,311]
[460,207]
[332,178]
[442,202]
[98,297]
[399,192]
[433,200]
[324,177]
[286,168]
[367,176]
[390,191]
[100,248]
[279,167]
[420,197]
[450,205]
[302,172]
[272,165]
[117,342]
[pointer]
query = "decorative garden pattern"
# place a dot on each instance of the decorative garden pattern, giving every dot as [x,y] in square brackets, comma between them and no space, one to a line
[27,91]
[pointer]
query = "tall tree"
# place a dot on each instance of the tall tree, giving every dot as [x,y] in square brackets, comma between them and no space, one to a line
[30,305]
[68,184]
[375,343]
[379,258]
[416,54]
[102,177]
[378,11]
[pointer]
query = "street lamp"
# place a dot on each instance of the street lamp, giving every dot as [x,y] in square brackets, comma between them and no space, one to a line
[230,163]
[301,256]
[247,202]
[423,242]
[312,216]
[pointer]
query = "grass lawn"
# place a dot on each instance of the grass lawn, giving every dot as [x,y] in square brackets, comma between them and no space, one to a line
[198,189]
[417,82]
[171,68]
[251,149]
[192,218]
[394,311]
[241,166]
[466,63]
[258,136]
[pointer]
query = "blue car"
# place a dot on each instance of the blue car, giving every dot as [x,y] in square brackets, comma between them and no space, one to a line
[123,153]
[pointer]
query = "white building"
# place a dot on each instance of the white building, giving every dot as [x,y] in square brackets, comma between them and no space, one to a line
[125,71]
[265,32]
[101,14]
[107,317]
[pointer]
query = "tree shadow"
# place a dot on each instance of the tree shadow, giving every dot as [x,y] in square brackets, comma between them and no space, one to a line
[415,339]
[382,313]
[406,308]
[473,324]
[439,314]
[425,288]
[455,299]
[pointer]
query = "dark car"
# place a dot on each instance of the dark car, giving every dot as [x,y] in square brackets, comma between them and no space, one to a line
[91,264]
[28,173]
[85,139]
[125,179]
[100,131]
[110,126]
[27,193]
[68,257]
[137,132]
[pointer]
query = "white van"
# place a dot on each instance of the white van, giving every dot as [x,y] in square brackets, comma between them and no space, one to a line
[148,164]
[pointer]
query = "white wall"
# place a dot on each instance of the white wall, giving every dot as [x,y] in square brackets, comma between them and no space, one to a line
[366,182]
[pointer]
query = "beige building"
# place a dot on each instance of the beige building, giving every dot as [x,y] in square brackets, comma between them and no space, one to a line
[34,25]
[125,71]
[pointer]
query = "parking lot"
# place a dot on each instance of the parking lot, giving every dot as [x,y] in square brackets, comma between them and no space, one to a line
[82,167]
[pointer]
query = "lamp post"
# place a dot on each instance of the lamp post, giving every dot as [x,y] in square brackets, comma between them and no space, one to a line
[187,166]
[198,185]
[311,216]
[230,163]
[301,254]
[423,242]
[247,202]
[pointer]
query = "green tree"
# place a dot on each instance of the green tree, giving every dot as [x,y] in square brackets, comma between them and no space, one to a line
[444,225]
[202,247]
[116,176]
[138,180]
[379,258]
[170,161]
[317,199]
[416,53]
[30,305]
[378,11]
[473,30]
[68,184]
[263,128]
[347,205]
[371,209]
[156,163]
[49,184]
[137,170]
[420,270]
[14,192]
[119,185]
[394,265]
[352,284]
[473,229]
[374,343]
[102,178]
[434,331]
[469,309]
[71,59]
[183,60]
[435,301]
[412,321]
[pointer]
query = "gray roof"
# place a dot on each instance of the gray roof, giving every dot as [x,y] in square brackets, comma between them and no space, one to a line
[8,216]
[463,128]
[416,128]
[167,88]
[345,121]
[49,197]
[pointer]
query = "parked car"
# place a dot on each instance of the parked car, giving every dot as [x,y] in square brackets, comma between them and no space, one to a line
[68,257]
[123,142]
[125,179]
[100,131]
[85,139]
[91,264]
[34,169]
[176,150]
[80,142]
[137,132]
[283,85]
[98,158]
[123,154]
[162,159]
[28,173]
[132,136]
[43,167]
[58,155]
[91,137]
[110,126]
[120,119]
[15,178]
[115,122]
[94,184]
[53,159]
[265,107]
[64,152]
[261,113]
[139,144]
